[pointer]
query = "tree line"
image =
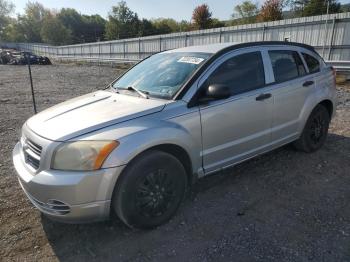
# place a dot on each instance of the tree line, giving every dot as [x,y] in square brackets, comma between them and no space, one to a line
[67,26]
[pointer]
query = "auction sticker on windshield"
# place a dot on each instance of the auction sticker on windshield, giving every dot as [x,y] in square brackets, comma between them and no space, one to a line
[190,60]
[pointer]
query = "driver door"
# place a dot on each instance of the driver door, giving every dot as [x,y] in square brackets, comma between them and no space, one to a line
[238,127]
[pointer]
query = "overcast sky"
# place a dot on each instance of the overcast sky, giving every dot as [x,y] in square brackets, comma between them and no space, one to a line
[177,9]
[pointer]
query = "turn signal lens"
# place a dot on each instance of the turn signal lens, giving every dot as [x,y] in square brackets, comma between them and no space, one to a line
[104,153]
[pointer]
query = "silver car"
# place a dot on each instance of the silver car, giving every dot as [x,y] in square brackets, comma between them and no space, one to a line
[135,147]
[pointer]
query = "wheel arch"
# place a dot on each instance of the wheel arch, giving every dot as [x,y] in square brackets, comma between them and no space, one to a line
[310,105]
[173,149]
[328,105]
[181,154]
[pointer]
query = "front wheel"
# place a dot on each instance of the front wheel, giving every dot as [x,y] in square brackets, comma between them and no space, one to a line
[315,131]
[150,190]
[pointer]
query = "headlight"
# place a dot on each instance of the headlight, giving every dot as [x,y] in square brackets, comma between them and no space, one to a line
[82,155]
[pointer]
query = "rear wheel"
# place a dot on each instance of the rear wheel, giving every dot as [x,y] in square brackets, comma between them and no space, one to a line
[315,131]
[150,190]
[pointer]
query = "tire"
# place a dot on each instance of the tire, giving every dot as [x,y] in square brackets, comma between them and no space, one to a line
[315,131]
[150,190]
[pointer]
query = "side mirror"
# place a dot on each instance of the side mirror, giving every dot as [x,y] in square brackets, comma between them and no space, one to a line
[210,93]
[217,91]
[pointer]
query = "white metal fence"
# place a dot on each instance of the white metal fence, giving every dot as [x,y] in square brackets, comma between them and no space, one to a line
[329,34]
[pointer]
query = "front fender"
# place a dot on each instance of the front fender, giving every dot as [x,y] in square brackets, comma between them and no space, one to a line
[137,142]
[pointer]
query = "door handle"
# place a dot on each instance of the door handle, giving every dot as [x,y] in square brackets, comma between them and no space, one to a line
[262,97]
[308,83]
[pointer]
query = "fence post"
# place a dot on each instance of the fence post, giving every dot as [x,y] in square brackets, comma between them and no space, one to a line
[332,36]
[110,50]
[325,37]
[139,48]
[220,35]
[124,48]
[31,83]
[264,30]
[186,37]
[160,44]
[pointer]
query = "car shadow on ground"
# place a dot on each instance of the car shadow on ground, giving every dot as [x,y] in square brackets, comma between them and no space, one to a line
[245,204]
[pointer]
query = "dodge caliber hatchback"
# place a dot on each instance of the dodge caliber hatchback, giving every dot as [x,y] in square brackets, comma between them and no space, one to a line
[135,147]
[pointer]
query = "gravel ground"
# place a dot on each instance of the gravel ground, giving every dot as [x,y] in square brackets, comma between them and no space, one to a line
[282,206]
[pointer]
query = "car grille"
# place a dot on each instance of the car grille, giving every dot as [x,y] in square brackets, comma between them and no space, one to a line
[32,153]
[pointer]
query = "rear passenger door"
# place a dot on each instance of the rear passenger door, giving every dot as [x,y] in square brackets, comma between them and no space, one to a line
[290,88]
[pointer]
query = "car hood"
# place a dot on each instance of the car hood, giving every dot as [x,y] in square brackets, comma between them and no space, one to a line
[90,112]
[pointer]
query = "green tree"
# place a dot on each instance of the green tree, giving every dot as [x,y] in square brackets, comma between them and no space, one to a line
[345,8]
[246,12]
[314,7]
[319,7]
[216,23]
[146,28]
[54,32]
[84,28]
[72,20]
[94,28]
[32,21]
[122,22]
[13,32]
[184,26]
[6,8]
[201,17]
[165,25]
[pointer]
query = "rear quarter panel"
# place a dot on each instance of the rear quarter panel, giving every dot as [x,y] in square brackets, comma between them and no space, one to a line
[324,89]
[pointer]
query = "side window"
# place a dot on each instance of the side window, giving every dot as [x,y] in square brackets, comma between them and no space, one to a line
[286,65]
[301,68]
[312,63]
[241,73]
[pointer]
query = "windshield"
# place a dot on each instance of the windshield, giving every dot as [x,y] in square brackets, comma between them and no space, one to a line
[163,74]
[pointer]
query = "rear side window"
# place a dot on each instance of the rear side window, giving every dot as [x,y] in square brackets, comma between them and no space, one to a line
[312,63]
[241,73]
[286,65]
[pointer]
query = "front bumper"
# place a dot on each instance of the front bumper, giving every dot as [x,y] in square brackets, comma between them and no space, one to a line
[65,195]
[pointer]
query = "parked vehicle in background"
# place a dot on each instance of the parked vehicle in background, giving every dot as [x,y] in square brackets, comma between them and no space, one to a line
[179,115]
[13,57]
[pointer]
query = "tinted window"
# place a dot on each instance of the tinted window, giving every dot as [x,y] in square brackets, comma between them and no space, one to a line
[241,73]
[312,63]
[286,65]
[299,62]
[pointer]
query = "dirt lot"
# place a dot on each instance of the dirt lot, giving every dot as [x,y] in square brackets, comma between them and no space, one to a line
[282,206]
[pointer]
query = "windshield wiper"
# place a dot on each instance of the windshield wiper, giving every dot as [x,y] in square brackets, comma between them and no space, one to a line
[115,89]
[141,93]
